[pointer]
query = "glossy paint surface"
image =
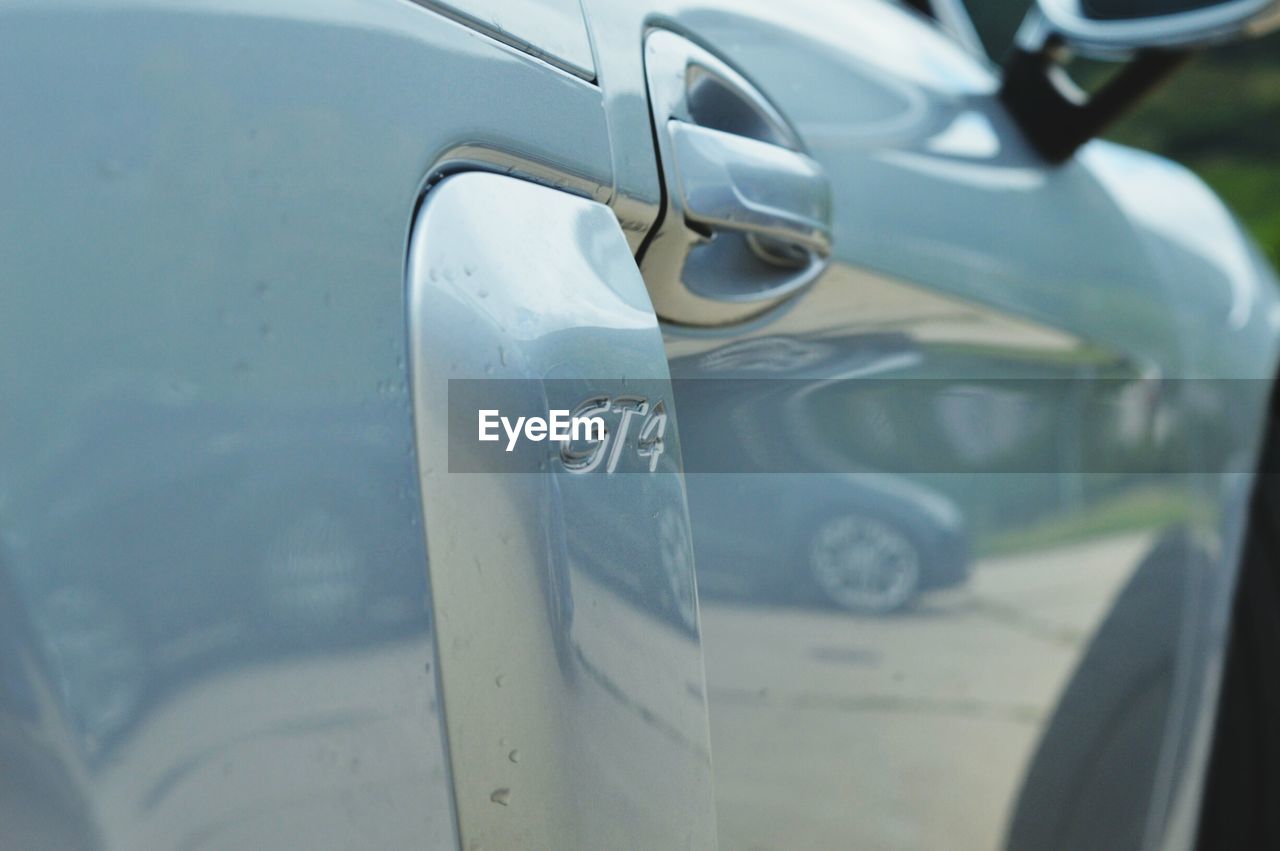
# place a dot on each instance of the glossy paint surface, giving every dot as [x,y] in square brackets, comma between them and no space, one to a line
[569,649]
[217,621]
[209,507]
[1058,696]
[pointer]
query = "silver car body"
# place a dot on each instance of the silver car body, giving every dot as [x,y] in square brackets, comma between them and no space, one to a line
[246,245]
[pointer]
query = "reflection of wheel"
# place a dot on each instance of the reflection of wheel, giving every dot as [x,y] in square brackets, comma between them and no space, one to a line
[864,564]
[677,566]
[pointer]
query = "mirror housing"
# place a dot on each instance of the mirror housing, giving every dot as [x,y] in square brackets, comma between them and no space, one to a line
[1152,37]
[1103,27]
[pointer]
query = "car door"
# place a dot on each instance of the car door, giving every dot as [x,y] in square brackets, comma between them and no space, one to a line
[1027,358]
[246,249]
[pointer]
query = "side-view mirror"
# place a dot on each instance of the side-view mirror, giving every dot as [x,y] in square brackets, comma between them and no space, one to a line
[1152,38]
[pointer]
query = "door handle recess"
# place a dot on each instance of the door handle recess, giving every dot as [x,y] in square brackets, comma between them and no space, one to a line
[746,213]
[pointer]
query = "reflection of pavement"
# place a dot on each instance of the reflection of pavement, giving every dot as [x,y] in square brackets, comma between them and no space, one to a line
[342,751]
[830,731]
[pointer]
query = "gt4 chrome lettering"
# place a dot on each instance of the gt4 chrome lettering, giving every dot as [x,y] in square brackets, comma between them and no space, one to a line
[585,456]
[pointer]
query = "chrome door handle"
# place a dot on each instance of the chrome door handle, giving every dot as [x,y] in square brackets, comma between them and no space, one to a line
[732,182]
[745,220]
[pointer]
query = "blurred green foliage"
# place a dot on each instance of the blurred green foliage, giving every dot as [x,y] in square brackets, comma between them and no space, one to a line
[1220,116]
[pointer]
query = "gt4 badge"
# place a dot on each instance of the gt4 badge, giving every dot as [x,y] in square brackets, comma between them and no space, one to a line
[624,417]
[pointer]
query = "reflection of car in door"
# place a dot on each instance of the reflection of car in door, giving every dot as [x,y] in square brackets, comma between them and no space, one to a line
[755,415]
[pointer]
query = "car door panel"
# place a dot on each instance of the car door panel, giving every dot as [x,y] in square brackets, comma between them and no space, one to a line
[1065,321]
